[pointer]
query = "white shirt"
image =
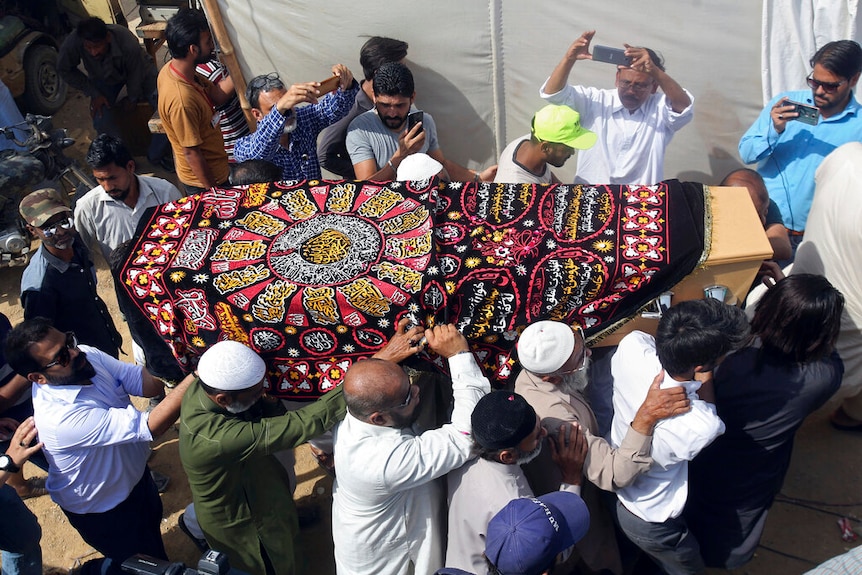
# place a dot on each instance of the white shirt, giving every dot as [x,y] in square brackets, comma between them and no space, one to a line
[660,493]
[96,442]
[630,146]
[387,508]
[101,219]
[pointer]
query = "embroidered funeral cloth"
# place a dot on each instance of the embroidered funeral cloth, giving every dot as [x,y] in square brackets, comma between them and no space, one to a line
[316,275]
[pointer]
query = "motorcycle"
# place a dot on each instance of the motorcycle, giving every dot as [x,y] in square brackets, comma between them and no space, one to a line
[20,172]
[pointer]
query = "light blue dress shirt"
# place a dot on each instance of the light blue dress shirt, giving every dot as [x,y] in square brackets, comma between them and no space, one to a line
[96,441]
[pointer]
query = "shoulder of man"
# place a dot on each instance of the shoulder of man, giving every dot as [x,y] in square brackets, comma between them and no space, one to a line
[365,121]
[34,273]
[164,190]
[88,200]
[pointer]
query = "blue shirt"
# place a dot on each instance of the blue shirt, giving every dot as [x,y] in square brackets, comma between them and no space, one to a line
[96,442]
[787,161]
[299,160]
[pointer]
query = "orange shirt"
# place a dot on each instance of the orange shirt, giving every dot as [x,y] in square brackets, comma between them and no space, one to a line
[187,117]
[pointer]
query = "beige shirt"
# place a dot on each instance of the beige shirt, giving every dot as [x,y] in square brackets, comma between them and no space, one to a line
[604,466]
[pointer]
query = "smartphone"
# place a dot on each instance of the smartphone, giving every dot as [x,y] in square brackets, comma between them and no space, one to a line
[329,85]
[807,114]
[414,118]
[615,56]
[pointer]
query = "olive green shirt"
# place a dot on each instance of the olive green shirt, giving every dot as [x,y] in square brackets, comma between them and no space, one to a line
[241,493]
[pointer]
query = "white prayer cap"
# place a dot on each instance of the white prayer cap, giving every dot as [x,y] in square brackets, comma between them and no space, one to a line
[231,366]
[545,346]
[418,167]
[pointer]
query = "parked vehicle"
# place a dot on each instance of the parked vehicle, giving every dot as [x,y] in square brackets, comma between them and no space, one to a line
[20,172]
[28,66]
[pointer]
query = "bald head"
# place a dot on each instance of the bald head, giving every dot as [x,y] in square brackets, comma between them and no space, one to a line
[373,385]
[751,180]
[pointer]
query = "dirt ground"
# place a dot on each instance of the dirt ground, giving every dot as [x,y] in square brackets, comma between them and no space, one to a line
[824,479]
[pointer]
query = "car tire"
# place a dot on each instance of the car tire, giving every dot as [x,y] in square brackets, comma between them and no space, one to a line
[44,90]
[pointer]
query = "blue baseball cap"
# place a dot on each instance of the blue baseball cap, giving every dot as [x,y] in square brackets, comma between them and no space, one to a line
[528,533]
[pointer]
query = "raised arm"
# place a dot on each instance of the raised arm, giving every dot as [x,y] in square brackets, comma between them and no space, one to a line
[579,50]
[641,62]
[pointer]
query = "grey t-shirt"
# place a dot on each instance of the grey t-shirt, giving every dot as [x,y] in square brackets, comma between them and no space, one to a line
[368,137]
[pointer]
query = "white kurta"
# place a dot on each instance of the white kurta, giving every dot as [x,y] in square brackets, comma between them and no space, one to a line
[631,145]
[387,509]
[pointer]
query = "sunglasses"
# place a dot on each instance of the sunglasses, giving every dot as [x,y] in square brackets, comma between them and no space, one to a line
[407,399]
[66,224]
[828,87]
[63,356]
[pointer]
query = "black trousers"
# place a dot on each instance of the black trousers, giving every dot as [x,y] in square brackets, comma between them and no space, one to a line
[131,527]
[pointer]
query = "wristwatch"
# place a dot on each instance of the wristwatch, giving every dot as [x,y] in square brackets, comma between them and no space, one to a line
[6,464]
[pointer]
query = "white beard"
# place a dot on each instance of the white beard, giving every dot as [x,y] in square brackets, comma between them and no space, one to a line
[575,383]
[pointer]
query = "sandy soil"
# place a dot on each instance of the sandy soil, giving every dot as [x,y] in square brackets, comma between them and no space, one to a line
[825,472]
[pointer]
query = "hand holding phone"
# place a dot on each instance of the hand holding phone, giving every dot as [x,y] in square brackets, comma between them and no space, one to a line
[805,113]
[616,56]
[415,118]
[329,85]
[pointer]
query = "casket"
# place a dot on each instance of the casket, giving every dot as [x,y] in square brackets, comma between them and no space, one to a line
[737,247]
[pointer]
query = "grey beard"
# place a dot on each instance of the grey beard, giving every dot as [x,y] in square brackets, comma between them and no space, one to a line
[575,383]
[524,458]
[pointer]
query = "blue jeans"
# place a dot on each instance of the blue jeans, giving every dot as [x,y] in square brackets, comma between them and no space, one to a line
[670,543]
[19,536]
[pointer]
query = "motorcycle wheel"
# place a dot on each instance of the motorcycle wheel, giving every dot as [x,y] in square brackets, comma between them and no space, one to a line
[44,90]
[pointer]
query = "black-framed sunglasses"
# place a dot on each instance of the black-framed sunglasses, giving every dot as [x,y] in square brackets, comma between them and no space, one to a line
[64,356]
[65,224]
[828,87]
[407,399]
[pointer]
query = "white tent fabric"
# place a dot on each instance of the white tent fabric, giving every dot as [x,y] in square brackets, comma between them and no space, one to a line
[793,30]
[479,65]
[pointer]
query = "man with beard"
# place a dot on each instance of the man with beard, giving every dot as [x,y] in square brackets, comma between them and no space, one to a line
[379,139]
[787,150]
[108,214]
[387,507]
[60,281]
[96,442]
[555,359]
[187,104]
[555,134]
[634,123]
[228,437]
[507,433]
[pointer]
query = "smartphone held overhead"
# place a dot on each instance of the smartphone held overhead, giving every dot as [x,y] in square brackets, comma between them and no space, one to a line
[329,85]
[610,55]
